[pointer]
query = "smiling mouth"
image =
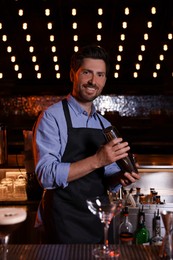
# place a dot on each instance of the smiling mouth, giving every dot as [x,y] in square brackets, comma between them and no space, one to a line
[92,87]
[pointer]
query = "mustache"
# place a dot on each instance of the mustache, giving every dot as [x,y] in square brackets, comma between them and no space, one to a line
[90,84]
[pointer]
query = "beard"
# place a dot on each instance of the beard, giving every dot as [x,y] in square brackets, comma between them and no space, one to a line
[88,92]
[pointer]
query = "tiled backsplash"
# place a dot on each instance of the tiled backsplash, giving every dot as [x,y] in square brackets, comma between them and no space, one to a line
[129,106]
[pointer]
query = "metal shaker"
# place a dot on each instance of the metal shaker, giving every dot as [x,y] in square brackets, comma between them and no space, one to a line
[126,164]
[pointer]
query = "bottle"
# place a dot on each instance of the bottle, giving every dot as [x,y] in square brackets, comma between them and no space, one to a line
[126,233]
[142,234]
[137,196]
[126,164]
[157,238]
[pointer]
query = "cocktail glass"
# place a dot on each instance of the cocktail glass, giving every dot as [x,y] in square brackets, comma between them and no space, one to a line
[105,208]
[10,218]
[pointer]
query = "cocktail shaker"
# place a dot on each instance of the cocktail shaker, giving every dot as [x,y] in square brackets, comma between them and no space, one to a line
[126,164]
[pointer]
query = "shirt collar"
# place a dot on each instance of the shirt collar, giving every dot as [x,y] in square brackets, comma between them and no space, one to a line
[77,108]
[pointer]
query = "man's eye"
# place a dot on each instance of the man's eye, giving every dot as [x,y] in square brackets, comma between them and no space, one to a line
[101,74]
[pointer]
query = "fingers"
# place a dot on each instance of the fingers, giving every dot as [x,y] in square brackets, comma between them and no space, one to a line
[118,147]
[129,178]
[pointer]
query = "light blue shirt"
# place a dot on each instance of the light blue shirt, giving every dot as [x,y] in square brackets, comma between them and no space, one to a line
[50,139]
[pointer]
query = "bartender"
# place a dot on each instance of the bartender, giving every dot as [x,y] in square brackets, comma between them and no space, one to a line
[72,160]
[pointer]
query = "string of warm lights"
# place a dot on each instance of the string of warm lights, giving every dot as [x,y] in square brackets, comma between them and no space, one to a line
[140,52]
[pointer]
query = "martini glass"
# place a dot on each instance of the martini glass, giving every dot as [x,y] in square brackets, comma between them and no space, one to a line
[105,208]
[10,218]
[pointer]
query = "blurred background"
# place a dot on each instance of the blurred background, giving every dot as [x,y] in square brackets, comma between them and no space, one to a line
[37,39]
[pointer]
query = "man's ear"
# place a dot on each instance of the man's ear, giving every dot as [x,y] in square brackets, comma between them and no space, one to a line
[71,75]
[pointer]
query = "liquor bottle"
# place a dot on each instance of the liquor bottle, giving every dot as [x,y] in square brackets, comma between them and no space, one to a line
[126,164]
[126,233]
[142,235]
[157,238]
[137,196]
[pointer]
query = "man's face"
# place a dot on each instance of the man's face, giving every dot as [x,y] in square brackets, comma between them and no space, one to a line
[89,80]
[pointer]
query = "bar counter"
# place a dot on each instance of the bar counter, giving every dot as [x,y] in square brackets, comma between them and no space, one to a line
[78,252]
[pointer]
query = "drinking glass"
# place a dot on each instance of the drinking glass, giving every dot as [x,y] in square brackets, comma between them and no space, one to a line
[10,218]
[105,208]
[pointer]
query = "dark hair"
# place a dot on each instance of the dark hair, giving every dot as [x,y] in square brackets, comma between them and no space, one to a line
[90,51]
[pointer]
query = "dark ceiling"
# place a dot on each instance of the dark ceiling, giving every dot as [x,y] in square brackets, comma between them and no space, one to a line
[159,42]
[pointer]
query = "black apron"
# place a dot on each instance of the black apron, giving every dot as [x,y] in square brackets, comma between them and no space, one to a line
[66,216]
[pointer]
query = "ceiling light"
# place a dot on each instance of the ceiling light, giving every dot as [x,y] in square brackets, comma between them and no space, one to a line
[99,37]
[16,67]
[118,57]
[117,67]
[55,58]
[58,75]
[140,57]
[142,47]
[73,11]
[158,66]
[120,48]
[13,58]
[28,38]
[135,74]
[49,26]
[52,38]
[53,49]
[165,47]
[116,75]
[74,26]
[19,75]
[154,74]
[122,37]
[137,66]
[149,24]
[146,36]
[76,48]
[47,12]
[126,11]
[31,49]
[99,25]
[39,75]
[9,49]
[124,25]
[4,38]
[170,36]
[34,58]
[24,26]
[161,57]
[56,67]
[20,12]
[153,10]
[100,11]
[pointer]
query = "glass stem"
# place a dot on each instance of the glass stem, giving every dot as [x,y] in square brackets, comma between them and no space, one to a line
[4,245]
[106,228]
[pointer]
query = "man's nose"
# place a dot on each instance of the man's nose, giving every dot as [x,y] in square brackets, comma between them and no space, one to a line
[92,80]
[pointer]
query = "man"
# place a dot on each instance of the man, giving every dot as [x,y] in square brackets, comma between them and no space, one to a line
[73,161]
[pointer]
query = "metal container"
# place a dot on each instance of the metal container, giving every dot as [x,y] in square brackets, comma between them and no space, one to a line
[3,144]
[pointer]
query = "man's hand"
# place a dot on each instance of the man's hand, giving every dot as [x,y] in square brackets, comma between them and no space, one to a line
[129,178]
[112,152]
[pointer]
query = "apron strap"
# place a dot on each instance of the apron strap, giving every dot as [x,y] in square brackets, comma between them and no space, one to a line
[68,118]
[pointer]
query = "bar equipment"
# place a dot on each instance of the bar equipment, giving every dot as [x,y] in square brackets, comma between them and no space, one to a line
[167,244]
[10,218]
[105,208]
[126,164]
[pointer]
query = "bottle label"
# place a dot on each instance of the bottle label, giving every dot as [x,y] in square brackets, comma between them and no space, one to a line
[126,238]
